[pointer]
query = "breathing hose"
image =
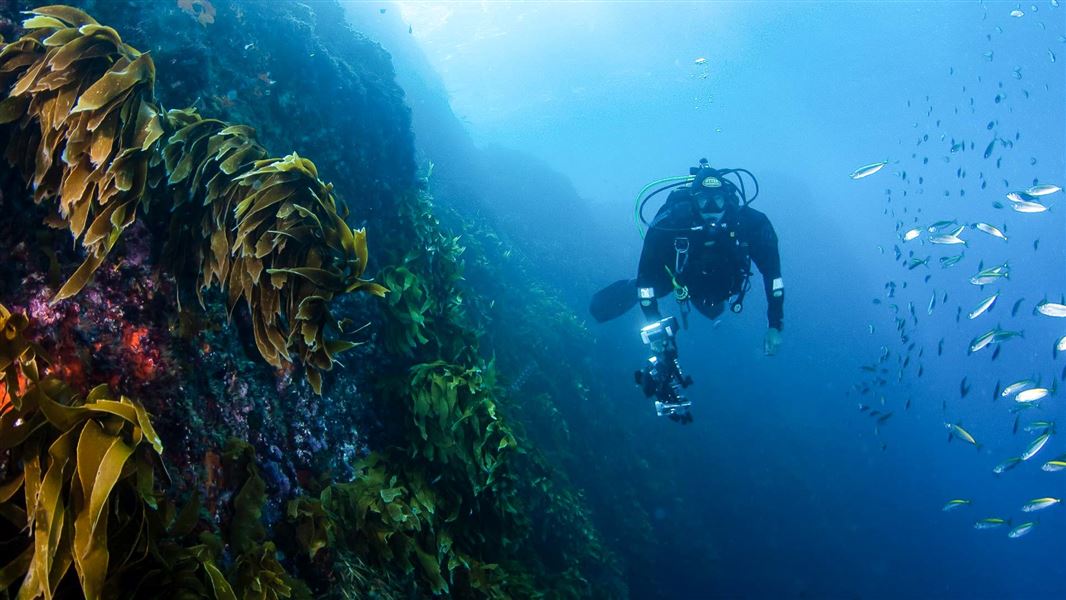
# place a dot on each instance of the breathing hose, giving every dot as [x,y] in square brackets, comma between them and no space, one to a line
[643,196]
[667,183]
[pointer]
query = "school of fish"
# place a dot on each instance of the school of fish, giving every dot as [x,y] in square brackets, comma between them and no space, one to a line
[954,145]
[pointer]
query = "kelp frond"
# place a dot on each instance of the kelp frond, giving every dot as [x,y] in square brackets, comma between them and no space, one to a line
[18,359]
[269,234]
[83,127]
[75,455]
[80,481]
[86,126]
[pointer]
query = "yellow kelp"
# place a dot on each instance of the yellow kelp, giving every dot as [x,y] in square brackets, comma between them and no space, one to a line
[268,231]
[83,126]
[86,126]
[74,453]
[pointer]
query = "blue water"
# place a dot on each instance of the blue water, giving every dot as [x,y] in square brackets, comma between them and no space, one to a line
[784,487]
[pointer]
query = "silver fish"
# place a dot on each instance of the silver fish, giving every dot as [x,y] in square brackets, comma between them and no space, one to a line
[1028,207]
[949,238]
[990,275]
[1002,335]
[1055,464]
[1037,444]
[956,430]
[982,341]
[985,279]
[991,523]
[1043,190]
[1021,530]
[984,306]
[935,227]
[1020,197]
[953,504]
[993,336]
[1031,395]
[1039,426]
[1051,309]
[867,170]
[912,234]
[1007,465]
[1040,504]
[947,262]
[1017,408]
[1016,387]
[990,230]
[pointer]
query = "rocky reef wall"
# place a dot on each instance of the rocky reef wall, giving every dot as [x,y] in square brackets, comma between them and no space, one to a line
[385,458]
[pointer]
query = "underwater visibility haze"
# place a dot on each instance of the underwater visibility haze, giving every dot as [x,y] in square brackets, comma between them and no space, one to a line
[295,299]
[788,490]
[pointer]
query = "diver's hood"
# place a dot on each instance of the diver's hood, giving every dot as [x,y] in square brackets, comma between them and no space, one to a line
[701,180]
[709,182]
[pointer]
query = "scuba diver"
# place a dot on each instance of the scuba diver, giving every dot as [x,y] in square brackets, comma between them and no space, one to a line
[700,246]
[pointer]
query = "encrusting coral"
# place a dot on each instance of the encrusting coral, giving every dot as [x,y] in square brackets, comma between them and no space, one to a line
[86,131]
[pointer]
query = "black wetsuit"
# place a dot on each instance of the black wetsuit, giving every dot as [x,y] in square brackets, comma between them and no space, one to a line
[717,257]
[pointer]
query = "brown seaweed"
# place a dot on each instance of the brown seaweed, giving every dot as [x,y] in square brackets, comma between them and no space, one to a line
[85,126]
[269,233]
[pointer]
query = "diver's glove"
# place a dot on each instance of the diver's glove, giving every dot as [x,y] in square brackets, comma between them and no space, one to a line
[772,341]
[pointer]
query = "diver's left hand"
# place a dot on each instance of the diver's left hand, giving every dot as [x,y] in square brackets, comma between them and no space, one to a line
[772,341]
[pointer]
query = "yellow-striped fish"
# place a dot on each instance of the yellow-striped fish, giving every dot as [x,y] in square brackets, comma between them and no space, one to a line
[956,430]
[991,523]
[1040,504]
[953,504]
[1055,464]
[1037,444]
[1022,529]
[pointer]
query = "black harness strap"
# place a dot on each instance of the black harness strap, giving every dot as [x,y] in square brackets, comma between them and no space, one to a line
[745,285]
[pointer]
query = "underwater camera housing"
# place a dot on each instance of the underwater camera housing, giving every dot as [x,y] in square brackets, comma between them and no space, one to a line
[661,377]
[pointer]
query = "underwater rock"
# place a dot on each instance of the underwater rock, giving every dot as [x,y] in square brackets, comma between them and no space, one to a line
[305,80]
